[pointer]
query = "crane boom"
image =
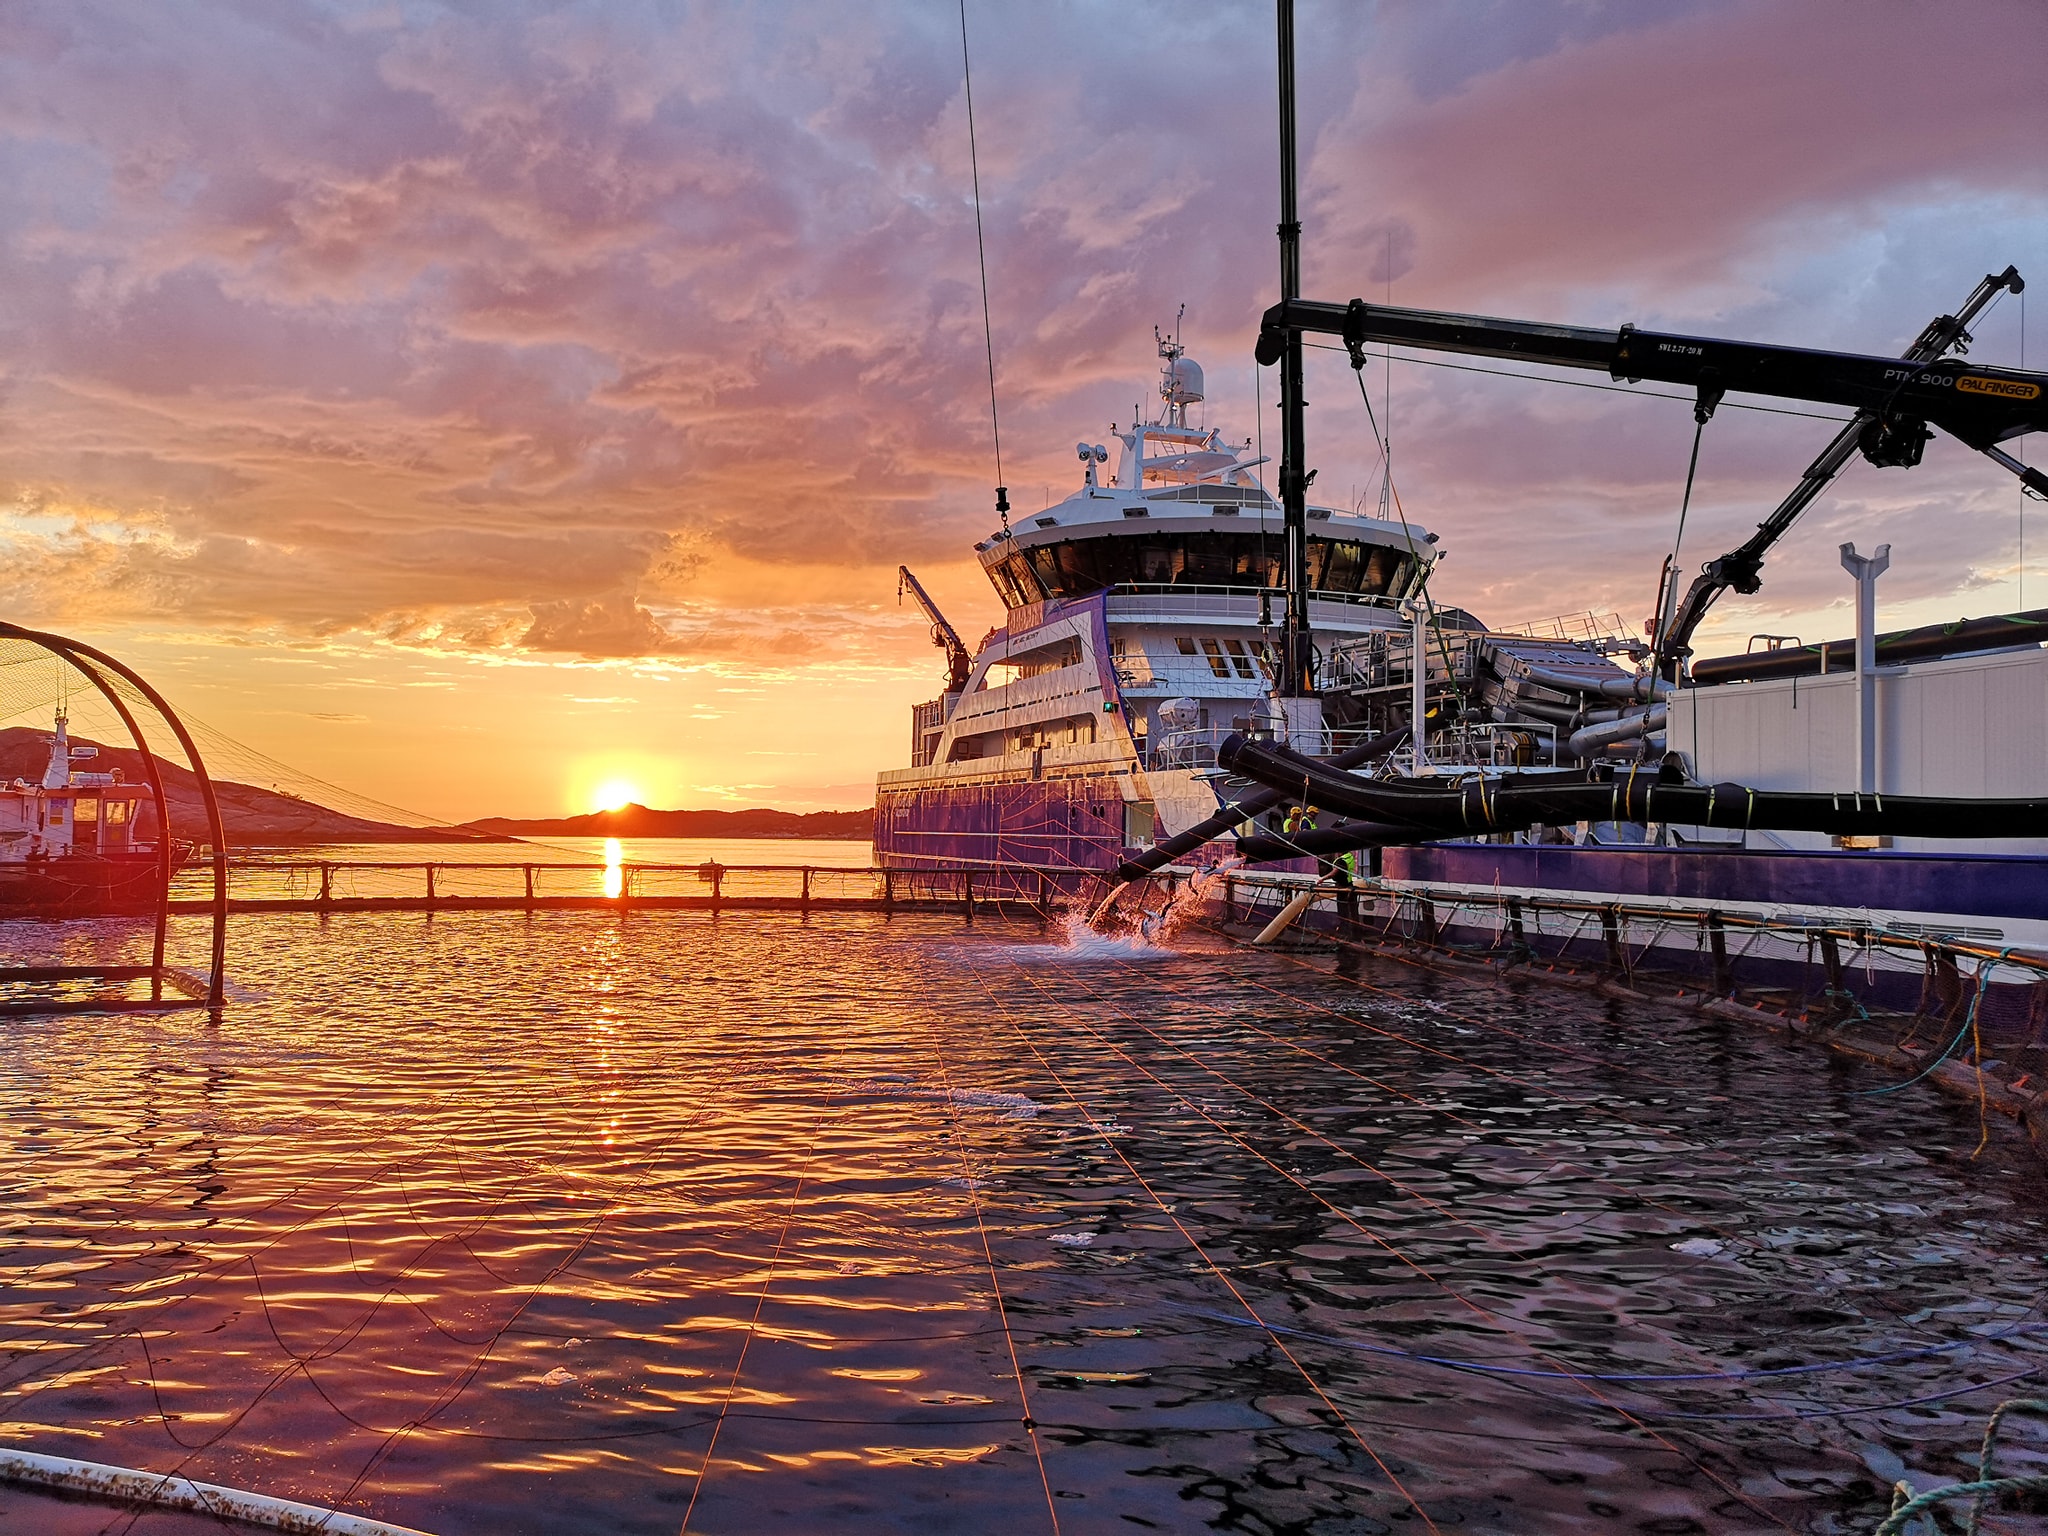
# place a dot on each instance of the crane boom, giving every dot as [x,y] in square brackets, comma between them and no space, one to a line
[1741,568]
[1894,400]
[1981,406]
[944,636]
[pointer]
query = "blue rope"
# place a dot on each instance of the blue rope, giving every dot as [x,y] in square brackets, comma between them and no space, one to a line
[1969,1021]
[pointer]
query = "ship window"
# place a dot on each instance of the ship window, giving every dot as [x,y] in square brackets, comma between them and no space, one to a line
[1238,658]
[1217,664]
[1210,557]
[1187,646]
[1004,575]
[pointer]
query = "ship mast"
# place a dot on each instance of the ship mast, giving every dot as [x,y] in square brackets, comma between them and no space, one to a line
[1296,665]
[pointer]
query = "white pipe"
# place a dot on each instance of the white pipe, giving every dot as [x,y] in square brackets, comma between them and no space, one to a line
[1418,684]
[166,1490]
[1594,737]
[1285,920]
[1866,569]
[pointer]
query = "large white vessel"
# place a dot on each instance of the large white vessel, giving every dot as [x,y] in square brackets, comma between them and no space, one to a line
[1141,632]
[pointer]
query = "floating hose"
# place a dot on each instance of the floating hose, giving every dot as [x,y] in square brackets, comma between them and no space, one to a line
[1244,810]
[167,1490]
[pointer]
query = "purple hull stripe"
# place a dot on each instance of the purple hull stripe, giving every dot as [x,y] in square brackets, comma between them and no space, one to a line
[1057,824]
[1981,885]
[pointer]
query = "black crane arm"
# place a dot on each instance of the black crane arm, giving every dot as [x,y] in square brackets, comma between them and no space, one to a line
[1980,406]
[1893,399]
[958,661]
[1741,568]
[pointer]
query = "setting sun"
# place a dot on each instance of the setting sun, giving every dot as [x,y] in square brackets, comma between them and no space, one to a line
[614,794]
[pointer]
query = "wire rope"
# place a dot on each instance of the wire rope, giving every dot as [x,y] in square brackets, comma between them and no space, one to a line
[1202,1253]
[995,1280]
[754,1326]
[1391,1248]
[1733,1491]
[1358,982]
[981,253]
[1612,389]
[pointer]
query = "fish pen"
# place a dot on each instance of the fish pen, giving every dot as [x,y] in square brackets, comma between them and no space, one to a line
[591,1226]
[1967,1016]
[101,841]
[270,883]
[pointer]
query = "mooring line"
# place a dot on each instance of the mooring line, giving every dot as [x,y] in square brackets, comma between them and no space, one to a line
[1224,1279]
[753,1327]
[1591,1175]
[995,1282]
[1690,1217]
[1390,1247]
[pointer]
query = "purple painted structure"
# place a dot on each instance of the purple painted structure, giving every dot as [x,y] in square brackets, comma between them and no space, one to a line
[1062,826]
[1985,885]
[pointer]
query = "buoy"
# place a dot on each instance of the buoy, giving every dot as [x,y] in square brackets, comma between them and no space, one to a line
[167,1490]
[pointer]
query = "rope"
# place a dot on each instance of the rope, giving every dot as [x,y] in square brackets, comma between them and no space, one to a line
[753,1327]
[988,334]
[1612,389]
[1969,1027]
[995,1282]
[1202,1253]
[1350,1219]
[1360,983]
[1667,601]
[1985,1488]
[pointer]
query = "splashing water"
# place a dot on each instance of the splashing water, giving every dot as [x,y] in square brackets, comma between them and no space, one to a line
[1129,924]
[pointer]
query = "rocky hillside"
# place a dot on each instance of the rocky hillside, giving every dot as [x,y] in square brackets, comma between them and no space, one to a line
[639,821]
[253,817]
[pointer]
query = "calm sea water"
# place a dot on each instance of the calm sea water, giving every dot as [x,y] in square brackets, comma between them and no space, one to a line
[585,1223]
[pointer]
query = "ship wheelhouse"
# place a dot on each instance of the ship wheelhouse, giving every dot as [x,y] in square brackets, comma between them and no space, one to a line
[75,811]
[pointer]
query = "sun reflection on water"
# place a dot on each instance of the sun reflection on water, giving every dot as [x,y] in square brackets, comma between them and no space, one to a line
[614,868]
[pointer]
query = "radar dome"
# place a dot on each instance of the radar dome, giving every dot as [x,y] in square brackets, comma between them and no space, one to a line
[1183,381]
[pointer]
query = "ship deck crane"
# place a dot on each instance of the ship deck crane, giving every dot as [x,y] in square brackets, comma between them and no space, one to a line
[1896,400]
[959,662]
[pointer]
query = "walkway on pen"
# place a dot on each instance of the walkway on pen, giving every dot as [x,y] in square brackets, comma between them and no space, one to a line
[292,885]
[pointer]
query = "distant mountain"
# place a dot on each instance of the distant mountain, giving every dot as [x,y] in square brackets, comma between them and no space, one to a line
[639,821]
[252,817]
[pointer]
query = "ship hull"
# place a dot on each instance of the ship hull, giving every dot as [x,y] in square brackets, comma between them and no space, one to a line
[81,886]
[1071,830]
[1659,907]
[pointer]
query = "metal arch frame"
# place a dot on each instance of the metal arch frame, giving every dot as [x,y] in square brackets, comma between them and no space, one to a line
[94,663]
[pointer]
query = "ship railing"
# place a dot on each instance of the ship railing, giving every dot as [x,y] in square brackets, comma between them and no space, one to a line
[1196,599]
[1597,628]
[1481,744]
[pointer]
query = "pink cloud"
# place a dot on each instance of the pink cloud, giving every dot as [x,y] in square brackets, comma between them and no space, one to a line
[521,327]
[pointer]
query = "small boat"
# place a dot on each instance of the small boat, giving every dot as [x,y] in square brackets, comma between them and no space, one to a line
[80,842]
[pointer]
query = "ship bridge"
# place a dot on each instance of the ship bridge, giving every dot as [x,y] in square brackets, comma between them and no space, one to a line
[1184,510]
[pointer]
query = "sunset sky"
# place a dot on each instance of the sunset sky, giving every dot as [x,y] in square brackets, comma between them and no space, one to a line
[475,403]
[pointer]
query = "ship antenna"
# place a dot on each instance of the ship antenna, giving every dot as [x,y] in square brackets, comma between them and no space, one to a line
[981,252]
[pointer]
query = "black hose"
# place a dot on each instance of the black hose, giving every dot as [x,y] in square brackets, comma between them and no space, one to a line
[1345,837]
[1477,806]
[1959,639]
[1241,811]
